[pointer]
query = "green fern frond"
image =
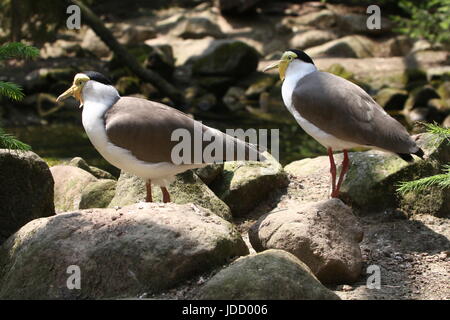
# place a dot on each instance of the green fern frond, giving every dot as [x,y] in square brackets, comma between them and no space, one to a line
[441,181]
[434,128]
[17,50]
[8,141]
[11,90]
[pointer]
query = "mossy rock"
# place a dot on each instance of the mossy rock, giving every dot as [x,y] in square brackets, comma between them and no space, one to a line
[128,85]
[413,78]
[433,200]
[187,188]
[444,92]
[98,194]
[261,83]
[231,58]
[244,184]
[210,173]
[270,275]
[96,172]
[374,176]
[391,98]
[69,185]
[372,180]
[338,70]
[419,97]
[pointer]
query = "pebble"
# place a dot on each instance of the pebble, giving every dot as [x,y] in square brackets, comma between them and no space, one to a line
[347,288]
[444,255]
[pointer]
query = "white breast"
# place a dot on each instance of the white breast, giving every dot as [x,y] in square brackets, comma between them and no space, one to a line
[94,108]
[295,71]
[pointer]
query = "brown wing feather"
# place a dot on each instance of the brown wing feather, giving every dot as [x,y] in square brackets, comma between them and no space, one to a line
[343,109]
[145,127]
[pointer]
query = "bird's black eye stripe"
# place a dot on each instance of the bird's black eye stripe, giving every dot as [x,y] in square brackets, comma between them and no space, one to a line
[301,55]
[97,76]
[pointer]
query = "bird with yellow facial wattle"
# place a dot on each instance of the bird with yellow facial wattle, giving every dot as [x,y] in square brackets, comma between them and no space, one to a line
[135,134]
[338,114]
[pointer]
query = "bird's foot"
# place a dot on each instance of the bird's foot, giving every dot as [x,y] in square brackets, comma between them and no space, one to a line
[335,194]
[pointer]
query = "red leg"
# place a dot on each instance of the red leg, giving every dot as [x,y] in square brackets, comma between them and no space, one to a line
[332,171]
[166,194]
[149,198]
[345,166]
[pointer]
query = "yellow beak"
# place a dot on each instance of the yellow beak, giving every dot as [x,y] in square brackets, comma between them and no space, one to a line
[281,65]
[74,91]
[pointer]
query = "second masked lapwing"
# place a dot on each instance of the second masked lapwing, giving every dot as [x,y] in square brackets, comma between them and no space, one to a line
[337,113]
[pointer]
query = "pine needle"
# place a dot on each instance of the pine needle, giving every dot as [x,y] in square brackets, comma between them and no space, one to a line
[439,132]
[9,142]
[440,181]
[17,50]
[11,90]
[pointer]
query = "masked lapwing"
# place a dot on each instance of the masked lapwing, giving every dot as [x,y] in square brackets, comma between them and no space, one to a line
[136,135]
[338,114]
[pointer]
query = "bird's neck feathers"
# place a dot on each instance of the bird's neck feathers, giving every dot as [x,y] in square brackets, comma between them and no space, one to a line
[294,72]
[95,92]
[298,69]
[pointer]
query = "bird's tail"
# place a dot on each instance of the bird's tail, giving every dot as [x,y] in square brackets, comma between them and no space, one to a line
[408,157]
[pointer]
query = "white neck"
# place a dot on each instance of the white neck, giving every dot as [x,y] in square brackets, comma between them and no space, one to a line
[97,92]
[295,71]
[97,99]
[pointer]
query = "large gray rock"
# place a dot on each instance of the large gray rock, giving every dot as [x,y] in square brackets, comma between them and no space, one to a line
[357,23]
[244,184]
[187,188]
[26,190]
[323,19]
[138,249]
[324,235]
[70,182]
[311,38]
[347,47]
[230,58]
[196,28]
[130,34]
[270,275]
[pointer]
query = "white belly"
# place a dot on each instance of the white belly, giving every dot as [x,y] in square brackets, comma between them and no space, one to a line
[160,173]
